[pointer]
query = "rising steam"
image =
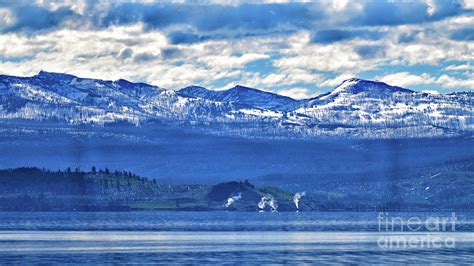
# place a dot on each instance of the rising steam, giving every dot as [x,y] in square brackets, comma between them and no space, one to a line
[232,199]
[297,197]
[268,201]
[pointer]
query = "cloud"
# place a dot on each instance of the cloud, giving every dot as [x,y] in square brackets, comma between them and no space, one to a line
[214,43]
[290,76]
[279,80]
[431,92]
[180,37]
[125,53]
[464,34]
[228,60]
[277,16]
[335,57]
[210,17]
[331,36]
[171,53]
[406,79]
[144,57]
[468,4]
[101,54]
[459,67]
[370,51]
[408,37]
[296,93]
[391,13]
[453,83]
[335,81]
[6,17]
[260,18]
[32,18]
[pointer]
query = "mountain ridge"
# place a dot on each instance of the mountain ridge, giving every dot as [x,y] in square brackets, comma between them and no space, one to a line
[354,108]
[47,74]
[240,94]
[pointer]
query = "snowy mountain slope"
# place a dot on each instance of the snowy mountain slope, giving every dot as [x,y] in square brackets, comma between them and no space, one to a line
[78,100]
[369,88]
[361,103]
[242,95]
[355,109]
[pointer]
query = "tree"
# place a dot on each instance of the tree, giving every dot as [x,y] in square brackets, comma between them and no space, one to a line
[94,170]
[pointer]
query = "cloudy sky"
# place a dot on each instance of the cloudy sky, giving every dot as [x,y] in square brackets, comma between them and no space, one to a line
[293,48]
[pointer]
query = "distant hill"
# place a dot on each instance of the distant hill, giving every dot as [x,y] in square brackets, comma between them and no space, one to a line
[34,189]
[75,190]
[447,187]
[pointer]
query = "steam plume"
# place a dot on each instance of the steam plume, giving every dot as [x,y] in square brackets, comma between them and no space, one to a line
[297,197]
[232,199]
[268,201]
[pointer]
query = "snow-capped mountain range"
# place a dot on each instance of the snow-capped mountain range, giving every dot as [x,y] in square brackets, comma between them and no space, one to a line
[355,108]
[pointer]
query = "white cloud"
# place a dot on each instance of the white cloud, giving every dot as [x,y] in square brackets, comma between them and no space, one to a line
[297,93]
[453,83]
[107,54]
[335,81]
[94,53]
[6,17]
[431,7]
[278,80]
[337,57]
[469,4]
[229,61]
[125,53]
[431,92]
[291,76]
[339,4]
[459,67]
[406,79]
[424,44]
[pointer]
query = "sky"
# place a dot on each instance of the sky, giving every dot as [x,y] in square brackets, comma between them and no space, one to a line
[297,49]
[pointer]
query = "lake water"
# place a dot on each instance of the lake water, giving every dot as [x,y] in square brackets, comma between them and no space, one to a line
[216,237]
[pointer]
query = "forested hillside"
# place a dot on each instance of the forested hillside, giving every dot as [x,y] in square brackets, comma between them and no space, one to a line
[41,189]
[447,186]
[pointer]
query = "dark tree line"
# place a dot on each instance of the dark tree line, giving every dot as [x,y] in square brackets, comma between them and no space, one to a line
[29,188]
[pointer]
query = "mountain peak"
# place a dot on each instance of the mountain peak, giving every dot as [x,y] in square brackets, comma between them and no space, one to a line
[242,88]
[353,86]
[353,80]
[197,92]
[54,75]
[128,84]
[240,91]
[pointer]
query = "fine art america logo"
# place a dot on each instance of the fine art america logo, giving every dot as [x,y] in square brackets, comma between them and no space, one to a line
[416,232]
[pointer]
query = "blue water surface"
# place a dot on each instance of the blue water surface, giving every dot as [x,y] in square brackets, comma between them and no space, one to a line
[226,237]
